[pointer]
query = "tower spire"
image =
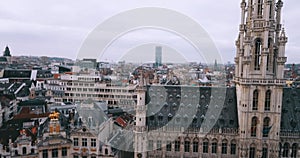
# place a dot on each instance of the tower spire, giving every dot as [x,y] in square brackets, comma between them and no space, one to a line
[259,65]
[6,52]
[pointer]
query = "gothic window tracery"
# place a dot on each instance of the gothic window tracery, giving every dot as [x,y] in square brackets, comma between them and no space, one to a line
[252,151]
[266,127]
[255,100]
[257,54]
[260,8]
[254,126]
[268,100]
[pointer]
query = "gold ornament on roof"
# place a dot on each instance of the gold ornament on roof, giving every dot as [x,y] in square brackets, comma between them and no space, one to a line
[54,115]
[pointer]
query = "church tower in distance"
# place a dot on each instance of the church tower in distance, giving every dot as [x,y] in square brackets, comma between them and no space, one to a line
[259,64]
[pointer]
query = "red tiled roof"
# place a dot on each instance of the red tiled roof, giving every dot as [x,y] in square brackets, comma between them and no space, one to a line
[120,121]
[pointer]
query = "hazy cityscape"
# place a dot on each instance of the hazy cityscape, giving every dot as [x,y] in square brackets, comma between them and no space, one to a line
[128,95]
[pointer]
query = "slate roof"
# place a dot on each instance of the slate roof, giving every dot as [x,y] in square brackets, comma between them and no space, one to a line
[98,116]
[180,106]
[290,117]
[26,73]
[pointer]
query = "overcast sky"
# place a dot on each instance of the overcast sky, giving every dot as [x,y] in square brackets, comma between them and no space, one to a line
[58,28]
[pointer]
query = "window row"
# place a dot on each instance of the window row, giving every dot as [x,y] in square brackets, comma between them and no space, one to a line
[195,146]
[54,152]
[84,142]
[256,98]
[266,127]
[287,150]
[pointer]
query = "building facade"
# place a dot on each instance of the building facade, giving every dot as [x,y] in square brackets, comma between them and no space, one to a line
[260,60]
[258,117]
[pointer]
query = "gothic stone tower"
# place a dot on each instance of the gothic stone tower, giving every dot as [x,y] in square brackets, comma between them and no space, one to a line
[140,138]
[260,60]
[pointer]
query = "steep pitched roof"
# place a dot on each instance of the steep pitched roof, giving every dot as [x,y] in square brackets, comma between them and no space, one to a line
[191,107]
[290,117]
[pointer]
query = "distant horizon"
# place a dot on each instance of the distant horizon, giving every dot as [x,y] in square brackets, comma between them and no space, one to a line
[55,31]
[232,63]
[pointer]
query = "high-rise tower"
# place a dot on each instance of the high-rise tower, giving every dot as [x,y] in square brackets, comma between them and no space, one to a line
[158,56]
[260,59]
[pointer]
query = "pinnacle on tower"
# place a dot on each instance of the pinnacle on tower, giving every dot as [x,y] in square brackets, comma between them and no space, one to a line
[7,52]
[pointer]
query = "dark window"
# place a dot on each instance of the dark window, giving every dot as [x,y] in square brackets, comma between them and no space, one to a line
[93,143]
[169,146]
[255,100]
[270,46]
[84,141]
[187,146]
[32,151]
[266,127]
[265,153]
[205,147]
[24,151]
[233,148]
[160,118]
[260,8]
[253,126]
[252,152]
[286,147]
[214,147]
[75,141]
[271,9]
[294,150]
[258,48]
[64,151]
[268,100]
[106,151]
[177,145]
[195,146]
[224,147]
[45,153]
[55,152]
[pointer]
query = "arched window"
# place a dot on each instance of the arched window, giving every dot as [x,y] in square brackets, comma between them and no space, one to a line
[214,146]
[187,145]
[294,150]
[252,151]
[254,126]
[265,151]
[255,100]
[260,8]
[205,146]
[24,151]
[266,127]
[195,145]
[285,152]
[106,151]
[271,11]
[233,147]
[268,100]
[224,146]
[258,49]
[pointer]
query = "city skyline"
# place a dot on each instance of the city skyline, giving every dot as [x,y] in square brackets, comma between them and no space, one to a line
[60,29]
